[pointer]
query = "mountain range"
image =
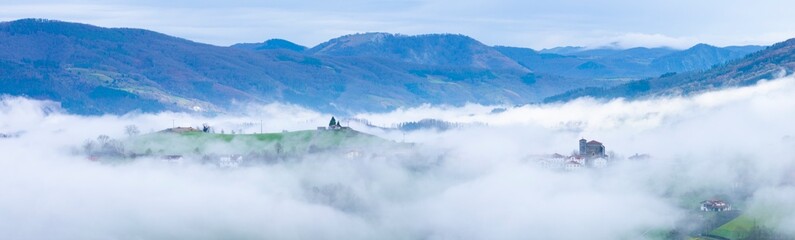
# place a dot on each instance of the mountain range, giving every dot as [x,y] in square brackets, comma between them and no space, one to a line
[773,62]
[95,70]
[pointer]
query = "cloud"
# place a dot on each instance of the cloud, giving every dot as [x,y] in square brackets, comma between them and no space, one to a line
[478,182]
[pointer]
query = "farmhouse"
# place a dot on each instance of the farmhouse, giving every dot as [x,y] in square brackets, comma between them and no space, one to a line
[715,206]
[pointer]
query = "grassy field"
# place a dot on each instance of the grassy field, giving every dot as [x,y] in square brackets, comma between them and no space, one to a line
[297,142]
[735,229]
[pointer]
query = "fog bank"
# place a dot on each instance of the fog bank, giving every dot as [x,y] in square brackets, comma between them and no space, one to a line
[477,182]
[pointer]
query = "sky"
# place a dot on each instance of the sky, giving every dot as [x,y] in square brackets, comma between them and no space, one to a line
[478,182]
[535,24]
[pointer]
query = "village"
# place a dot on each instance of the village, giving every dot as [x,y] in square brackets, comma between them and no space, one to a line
[591,154]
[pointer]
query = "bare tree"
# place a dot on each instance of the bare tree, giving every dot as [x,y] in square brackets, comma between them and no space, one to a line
[103,139]
[113,147]
[131,130]
[88,146]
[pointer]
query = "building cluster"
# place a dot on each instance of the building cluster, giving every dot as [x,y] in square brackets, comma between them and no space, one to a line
[591,154]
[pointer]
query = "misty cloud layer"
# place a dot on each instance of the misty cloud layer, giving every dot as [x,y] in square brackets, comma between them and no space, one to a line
[477,182]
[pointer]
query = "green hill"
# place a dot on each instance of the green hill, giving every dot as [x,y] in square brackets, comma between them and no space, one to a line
[285,143]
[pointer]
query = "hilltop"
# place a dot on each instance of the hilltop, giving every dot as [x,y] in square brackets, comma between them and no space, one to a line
[271,44]
[293,143]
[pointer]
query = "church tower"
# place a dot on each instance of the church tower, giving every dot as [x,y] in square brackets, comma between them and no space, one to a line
[583,148]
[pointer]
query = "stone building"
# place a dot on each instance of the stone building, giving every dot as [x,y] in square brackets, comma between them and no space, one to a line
[592,149]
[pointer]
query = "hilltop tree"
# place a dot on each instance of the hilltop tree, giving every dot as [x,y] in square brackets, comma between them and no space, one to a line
[206,128]
[333,122]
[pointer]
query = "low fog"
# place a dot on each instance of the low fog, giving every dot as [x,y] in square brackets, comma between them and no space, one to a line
[474,182]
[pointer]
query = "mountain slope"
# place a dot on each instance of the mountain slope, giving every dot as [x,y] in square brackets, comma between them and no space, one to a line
[699,57]
[94,70]
[622,64]
[70,60]
[431,49]
[774,61]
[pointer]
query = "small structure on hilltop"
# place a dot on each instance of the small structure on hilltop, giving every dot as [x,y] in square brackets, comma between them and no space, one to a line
[333,125]
[715,206]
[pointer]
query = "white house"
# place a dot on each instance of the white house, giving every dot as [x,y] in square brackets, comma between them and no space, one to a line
[353,154]
[599,162]
[231,161]
[572,166]
[576,158]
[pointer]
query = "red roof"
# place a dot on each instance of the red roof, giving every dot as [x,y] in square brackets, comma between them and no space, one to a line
[594,142]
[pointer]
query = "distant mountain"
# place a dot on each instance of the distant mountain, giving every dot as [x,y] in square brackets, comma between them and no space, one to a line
[700,57]
[769,63]
[270,45]
[622,64]
[549,63]
[431,49]
[568,50]
[94,70]
[641,53]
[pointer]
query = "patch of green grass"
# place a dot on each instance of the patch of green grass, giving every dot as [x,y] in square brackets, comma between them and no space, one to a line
[297,142]
[735,229]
